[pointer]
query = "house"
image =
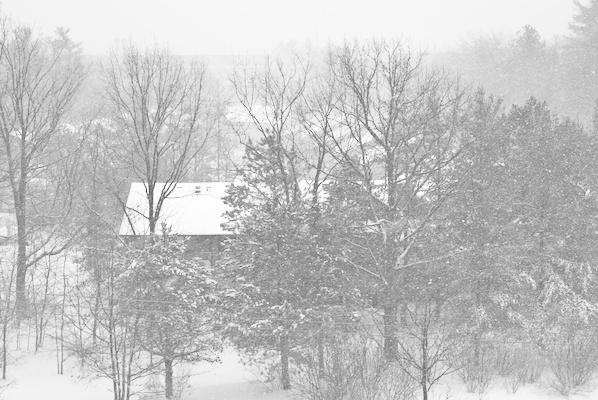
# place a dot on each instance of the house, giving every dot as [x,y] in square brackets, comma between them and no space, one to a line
[193,210]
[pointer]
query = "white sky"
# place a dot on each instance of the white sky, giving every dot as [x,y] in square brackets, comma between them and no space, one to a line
[195,27]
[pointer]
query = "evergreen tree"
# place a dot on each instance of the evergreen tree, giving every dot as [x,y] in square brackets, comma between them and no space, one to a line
[481,285]
[552,167]
[286,279]
[580,61]
[175,301]
[585,23]
[285,283]
[528,66]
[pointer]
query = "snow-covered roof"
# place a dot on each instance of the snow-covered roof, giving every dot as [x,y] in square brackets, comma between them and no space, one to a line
[192,209]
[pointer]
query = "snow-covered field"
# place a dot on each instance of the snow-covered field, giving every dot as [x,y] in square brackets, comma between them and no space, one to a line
[33,377]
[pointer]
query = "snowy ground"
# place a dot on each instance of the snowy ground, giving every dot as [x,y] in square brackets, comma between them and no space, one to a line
[34,377]
[455,390]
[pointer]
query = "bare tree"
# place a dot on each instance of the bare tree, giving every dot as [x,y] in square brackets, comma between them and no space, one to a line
[108,343]
[218,158]
[157,103]
[39,78]
[426,346]
[7,309]
[400,131]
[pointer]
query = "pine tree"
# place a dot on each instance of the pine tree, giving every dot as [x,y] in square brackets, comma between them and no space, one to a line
[528,68]
[477,220]
[176,301]
[553,234]
[585,22]
[284,282]
[581,59]
[287,280]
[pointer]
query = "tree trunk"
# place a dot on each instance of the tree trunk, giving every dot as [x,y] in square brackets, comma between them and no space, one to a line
[391,342]
[403,314]
[41,328]
[96,312]
[425,366]
[152,215]
[4,347]
[284,362]
[168,378]
[321,363]
[21,289]
[20,192]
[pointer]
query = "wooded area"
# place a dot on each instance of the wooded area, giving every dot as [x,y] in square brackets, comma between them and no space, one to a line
[396,217]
